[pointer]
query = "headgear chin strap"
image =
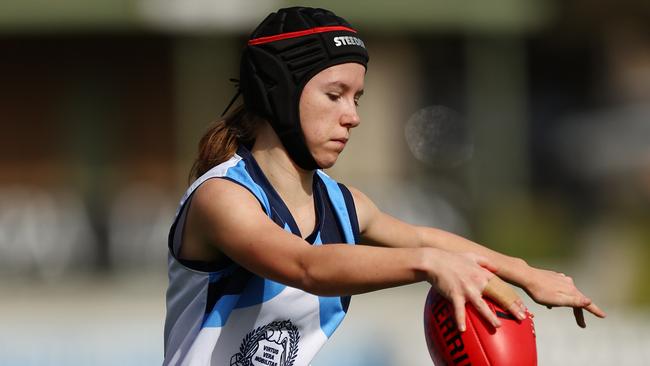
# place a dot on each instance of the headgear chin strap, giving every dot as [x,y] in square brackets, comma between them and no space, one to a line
[285,51]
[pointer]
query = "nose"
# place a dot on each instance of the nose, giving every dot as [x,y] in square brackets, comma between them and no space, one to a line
[350,118]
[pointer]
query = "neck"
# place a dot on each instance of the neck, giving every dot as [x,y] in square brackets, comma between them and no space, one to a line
[293,183]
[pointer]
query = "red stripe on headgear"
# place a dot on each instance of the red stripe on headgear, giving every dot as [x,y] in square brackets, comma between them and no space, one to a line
[301,33]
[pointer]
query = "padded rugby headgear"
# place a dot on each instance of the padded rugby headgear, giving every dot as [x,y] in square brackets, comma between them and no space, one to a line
[285,51]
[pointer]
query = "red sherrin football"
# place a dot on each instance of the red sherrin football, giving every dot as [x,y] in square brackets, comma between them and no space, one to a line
[512,344]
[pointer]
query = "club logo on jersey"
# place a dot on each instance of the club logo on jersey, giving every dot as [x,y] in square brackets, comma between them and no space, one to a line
[274,344]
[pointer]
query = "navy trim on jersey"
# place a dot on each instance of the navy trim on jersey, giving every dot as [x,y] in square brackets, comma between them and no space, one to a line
[278,208]
[339,206]
[232,285]
[349,203]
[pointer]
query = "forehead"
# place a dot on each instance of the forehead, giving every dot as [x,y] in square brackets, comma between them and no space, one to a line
[351,74]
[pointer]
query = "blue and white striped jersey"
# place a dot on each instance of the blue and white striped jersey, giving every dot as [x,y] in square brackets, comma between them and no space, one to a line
[229,316]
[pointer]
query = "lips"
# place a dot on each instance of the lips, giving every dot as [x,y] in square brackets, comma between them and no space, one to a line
[341,142]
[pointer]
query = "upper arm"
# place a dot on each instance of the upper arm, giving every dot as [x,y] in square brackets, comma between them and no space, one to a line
[230,218]
[379,228]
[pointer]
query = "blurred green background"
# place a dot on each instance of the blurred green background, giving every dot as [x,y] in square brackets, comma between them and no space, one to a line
[102,104]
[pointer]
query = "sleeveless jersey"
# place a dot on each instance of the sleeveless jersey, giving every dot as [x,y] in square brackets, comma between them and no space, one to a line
[232,317]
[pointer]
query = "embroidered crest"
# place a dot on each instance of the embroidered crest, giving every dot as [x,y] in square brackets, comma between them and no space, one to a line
[274,344]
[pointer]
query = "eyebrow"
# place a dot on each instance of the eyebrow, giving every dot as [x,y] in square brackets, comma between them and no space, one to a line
[344,86]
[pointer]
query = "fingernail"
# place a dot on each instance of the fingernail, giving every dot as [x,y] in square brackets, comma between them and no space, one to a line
[497,323]
[521,315]
[461,327]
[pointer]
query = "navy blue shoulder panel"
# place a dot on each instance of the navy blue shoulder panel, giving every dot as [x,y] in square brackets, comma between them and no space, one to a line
[339,206]
[352,211]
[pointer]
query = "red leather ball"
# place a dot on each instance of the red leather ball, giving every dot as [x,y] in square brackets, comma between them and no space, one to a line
[512,344]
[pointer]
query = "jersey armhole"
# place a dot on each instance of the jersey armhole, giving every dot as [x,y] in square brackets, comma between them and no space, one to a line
[352,211]
[175,238]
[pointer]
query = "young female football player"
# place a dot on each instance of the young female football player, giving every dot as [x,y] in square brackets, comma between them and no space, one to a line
[266,249]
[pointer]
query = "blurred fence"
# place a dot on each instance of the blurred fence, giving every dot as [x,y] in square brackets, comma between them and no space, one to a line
[49,234]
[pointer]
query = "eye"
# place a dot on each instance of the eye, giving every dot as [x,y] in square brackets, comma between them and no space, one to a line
[333,97]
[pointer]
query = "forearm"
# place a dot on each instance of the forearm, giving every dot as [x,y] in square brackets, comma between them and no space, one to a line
[341,269]
[512,269]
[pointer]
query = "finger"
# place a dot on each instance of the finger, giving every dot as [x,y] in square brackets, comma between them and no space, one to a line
[594,309]
[574,299]
[459,311]
[518,309]
[502,293]
[485,311]
[580,317]
[578,300]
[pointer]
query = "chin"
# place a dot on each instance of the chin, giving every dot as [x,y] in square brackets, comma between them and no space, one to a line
[326,165]
[327,162]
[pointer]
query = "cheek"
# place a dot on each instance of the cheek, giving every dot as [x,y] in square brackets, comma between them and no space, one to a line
[313,106]
[314,133]
[306,110]
[314,115]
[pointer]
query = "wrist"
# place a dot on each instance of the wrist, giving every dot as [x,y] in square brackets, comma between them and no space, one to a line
[517,271]
[425,263]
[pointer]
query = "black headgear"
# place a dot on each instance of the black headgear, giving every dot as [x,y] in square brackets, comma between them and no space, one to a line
[285,51]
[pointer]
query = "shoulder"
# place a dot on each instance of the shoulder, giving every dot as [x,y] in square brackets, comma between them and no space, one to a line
[379,228]
[215,213]
[225,213]
[366,209]
[220,204]
[361,199]
[219,193]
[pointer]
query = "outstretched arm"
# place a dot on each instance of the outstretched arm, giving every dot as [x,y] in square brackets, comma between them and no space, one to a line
[230,220]
[545,287]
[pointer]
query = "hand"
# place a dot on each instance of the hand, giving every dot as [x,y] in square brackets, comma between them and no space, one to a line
[462,278]
[506,297]
[557,289]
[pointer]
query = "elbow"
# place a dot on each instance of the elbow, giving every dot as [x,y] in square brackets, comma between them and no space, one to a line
[319,274]
[309,284]
[301,275]
[310,281]
[313,278]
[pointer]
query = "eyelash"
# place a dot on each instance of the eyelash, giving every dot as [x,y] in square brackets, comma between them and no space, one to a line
[335,97]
